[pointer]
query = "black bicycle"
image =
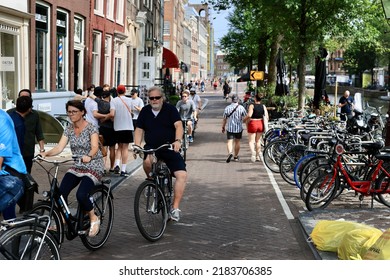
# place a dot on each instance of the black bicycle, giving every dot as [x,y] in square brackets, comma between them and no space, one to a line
[64,221]
[185,142]
[25,238]
[154,197]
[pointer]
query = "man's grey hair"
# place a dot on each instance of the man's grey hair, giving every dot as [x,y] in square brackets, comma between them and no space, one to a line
[156,88]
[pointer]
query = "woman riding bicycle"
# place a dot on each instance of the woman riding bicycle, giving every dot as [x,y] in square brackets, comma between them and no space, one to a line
[84,141]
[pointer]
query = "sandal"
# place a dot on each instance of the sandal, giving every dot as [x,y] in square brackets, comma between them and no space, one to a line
[94,229]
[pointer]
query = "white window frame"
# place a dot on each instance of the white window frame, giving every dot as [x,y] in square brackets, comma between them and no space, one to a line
[98,8]
[96,54]
[107,59]
[46,62]
[120,7]
[110,9]
[65,52]
[80,45]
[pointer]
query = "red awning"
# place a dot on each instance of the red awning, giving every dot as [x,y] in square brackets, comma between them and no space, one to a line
[170,60]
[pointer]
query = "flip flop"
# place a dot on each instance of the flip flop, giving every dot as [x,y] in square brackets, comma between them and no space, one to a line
[94,229]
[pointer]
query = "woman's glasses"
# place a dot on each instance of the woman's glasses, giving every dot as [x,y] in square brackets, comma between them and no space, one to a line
[155,97]
[72,112]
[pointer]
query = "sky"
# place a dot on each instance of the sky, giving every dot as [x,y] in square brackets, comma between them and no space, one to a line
[219,21]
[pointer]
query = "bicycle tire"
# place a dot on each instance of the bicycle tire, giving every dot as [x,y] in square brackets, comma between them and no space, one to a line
[56,227]
[310,165]
[299,166]
[151,219]
[321,192]
[24,243]
[273,152]
[383,183]
[287,164]
[104,209]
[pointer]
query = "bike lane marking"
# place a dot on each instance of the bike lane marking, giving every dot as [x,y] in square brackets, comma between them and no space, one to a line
[278,192]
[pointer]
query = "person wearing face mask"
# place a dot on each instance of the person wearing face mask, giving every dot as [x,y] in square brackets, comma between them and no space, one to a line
[160,123]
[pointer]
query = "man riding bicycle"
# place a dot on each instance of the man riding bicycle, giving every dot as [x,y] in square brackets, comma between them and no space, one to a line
[187,111]
[160,123]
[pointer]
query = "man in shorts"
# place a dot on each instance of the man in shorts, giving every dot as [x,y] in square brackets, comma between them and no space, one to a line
[233,117]
[160,123]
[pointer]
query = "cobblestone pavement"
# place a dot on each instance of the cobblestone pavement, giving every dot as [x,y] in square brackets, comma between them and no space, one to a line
[230,211]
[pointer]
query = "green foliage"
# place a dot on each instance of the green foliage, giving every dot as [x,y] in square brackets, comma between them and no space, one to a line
[173,99]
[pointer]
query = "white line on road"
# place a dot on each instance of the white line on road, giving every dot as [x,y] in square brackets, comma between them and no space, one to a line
[279,194]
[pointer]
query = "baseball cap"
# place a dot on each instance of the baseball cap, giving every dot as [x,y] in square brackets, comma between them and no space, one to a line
[121,89]
[234,98]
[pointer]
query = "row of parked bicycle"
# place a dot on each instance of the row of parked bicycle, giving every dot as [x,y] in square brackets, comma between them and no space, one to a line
[322,158]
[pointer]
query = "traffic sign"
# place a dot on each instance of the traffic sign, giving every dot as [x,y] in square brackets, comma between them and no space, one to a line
[257,75]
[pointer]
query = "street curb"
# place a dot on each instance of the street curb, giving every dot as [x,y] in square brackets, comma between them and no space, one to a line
[132,167]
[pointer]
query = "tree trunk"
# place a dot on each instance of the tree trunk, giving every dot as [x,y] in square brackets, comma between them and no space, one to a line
[262,56]
[272,58]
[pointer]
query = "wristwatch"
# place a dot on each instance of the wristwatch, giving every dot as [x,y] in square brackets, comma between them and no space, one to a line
[178,140]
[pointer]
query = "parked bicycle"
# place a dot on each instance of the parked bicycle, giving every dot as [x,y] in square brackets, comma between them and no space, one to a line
[64,221]
[154,197]
[375,181]
[26,238]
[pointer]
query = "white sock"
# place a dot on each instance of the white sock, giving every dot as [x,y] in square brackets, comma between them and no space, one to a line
[117,162]
[124,167]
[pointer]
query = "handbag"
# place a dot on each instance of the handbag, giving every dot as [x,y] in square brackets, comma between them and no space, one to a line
[29,182]
[102,148]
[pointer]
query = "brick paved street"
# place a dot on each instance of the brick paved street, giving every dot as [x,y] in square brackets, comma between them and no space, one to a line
[229,211]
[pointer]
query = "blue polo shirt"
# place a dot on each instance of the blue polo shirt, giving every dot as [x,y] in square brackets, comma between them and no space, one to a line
[9,148]
[158,129]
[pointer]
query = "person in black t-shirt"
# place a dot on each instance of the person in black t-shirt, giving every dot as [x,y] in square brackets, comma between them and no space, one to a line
[346,105]
[160,123]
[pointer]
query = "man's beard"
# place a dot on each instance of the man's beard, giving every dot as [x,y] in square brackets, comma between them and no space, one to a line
[156,107]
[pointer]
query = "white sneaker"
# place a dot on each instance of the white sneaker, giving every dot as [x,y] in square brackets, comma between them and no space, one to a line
[253,158]
[175,214]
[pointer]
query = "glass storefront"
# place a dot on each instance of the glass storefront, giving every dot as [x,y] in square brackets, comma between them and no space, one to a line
[8,65]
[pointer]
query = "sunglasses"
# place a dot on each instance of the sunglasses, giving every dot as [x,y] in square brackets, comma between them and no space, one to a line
[155,97]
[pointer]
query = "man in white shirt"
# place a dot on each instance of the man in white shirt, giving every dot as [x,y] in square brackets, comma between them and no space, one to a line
[136,105]
[91,107]
[123,126]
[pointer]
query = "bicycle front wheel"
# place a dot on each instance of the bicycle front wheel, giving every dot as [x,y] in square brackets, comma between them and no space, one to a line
[28,243]
[150,211]
[104,209]
[56,227]
[322,191]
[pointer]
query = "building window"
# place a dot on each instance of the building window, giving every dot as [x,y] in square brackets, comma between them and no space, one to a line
[107,59]
[119,11]
[41,48]
[9,66]
[96,53]
[98,8]
[110,9]
[61,50]
[118,67]
[78,30]
[167,28]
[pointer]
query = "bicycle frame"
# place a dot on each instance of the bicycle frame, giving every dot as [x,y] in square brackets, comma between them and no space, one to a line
[363,187]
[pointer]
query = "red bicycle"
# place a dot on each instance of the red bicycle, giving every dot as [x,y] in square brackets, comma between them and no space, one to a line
[375,183]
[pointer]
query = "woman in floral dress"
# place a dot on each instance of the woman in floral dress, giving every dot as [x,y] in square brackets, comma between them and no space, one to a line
[83,138]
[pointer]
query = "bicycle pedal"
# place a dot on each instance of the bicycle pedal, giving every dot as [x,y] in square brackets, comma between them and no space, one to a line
[82,232]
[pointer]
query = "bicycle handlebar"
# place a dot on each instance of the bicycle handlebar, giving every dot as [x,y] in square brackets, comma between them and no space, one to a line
[56,162]
[138,149]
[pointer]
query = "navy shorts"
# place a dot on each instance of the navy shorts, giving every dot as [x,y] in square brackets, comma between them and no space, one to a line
[124,136]
[173,160]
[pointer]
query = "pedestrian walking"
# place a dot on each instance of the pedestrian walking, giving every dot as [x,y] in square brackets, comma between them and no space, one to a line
[33,133]
[233,117]
[136,105]
[123,126]
[257,122]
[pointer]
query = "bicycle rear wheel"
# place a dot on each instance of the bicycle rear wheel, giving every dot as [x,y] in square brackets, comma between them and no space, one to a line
[28,242]
[288,162]
[104,209]
[273,153]
[150,210]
